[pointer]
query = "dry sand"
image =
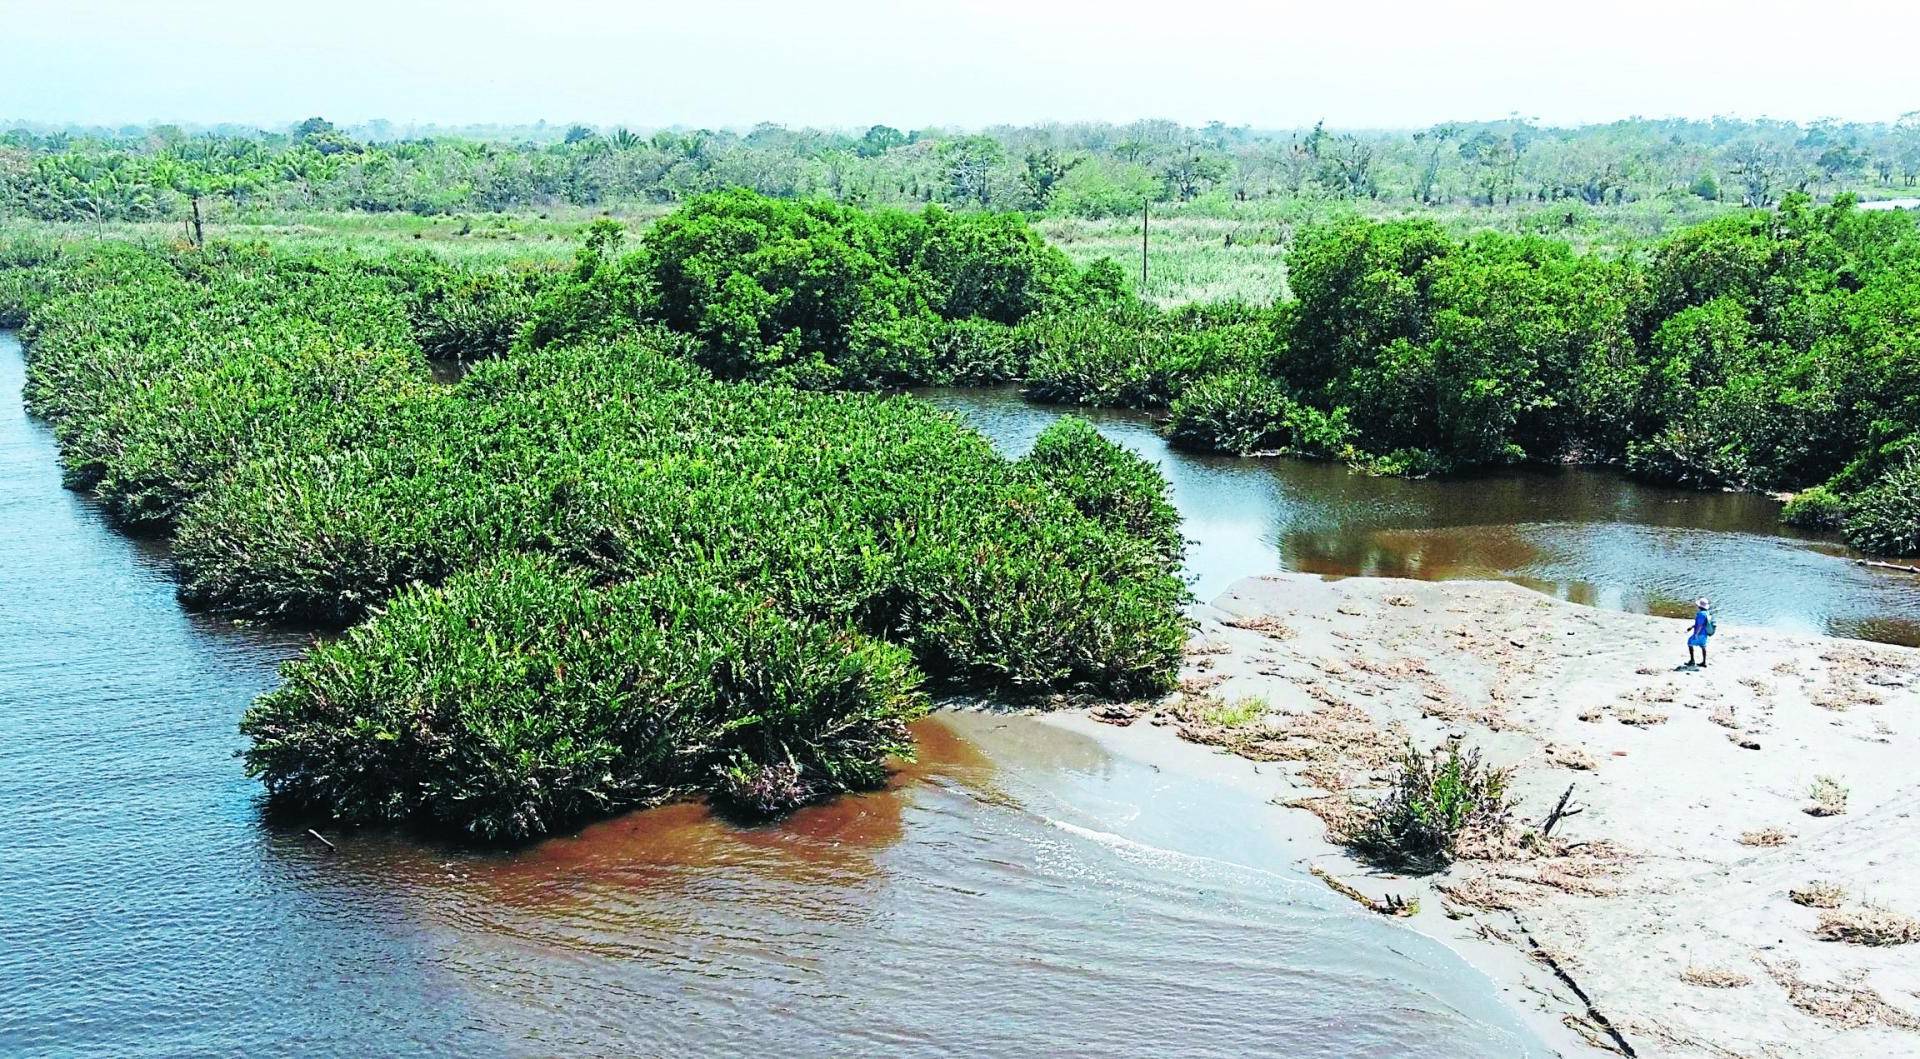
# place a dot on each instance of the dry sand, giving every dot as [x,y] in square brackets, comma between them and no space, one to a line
[1662,909]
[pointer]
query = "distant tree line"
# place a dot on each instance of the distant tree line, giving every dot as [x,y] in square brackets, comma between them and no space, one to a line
[1086,170]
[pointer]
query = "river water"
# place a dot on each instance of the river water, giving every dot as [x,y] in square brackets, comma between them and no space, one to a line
[1583,534]
[1017,892]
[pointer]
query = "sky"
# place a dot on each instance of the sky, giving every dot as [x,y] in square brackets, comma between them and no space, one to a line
[964,63]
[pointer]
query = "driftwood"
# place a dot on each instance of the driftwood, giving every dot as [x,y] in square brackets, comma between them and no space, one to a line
[1594,1017]
[1393,905]
[1878,565]
[1560,812]
[322,838]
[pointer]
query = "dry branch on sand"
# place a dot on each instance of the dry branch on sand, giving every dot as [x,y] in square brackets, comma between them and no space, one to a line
[1569,757]
[1391,905]
[1716,978]
[1769,836]
[1868,925]
[1843,1005]
[1336,733]
[1639,718]
[1265,624]
[1829,798]
[1818,894]
[1480,892]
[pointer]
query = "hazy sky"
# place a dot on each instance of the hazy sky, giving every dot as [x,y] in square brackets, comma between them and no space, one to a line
[1278,63]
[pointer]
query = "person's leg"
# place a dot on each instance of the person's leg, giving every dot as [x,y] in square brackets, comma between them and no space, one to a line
[1703,656]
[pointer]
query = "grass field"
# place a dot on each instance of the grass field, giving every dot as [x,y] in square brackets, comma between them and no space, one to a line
[1213,251]
[1208,250]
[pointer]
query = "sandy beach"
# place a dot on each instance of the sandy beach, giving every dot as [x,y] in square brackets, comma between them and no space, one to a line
[1735,874]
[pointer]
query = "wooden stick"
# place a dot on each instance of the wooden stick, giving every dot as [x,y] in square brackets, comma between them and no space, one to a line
[322,838]
[1560,812]
[1541,953]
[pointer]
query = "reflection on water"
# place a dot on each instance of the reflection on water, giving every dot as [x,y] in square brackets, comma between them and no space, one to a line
[1582,534]
[1042,897]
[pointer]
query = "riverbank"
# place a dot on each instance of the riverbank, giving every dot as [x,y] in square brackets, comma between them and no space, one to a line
[1662,908]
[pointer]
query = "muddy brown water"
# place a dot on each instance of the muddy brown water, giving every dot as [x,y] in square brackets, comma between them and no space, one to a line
[1016,892]
[1584,534]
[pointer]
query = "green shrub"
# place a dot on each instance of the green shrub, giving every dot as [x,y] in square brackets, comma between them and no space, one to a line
[1244,412]
[1884,518]
[157,384]
[1815,507]
[469,315]
[880,513]
[832,296]
[975,352]
[1406,463]
[22,290]
[1691,454]
[1133,357]
[520,699]
[603,295]
[1108,484]
[1439,803]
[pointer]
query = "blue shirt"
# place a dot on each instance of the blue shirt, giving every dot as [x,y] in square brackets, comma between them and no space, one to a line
[1700,622]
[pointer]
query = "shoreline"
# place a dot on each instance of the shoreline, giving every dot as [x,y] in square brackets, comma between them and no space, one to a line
[1511,979]
[1692,785]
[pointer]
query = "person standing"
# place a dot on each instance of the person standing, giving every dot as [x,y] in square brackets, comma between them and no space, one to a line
[1702,629]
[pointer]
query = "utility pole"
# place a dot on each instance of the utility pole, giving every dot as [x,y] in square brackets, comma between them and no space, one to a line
[1143,248]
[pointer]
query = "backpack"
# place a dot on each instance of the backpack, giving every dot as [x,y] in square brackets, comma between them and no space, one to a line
[1711,627]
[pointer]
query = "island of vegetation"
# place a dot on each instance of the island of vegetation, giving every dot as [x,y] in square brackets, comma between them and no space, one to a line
[668,532]
[590,574]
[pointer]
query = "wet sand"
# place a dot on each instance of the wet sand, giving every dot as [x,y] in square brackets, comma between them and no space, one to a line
[1665,900]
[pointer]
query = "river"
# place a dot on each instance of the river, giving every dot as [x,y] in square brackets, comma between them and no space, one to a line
[1583,534]
[1018,891]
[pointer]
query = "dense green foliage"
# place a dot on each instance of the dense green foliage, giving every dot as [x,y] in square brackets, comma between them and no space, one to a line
[829,294]
[1248,411]
[595,574]
[1817,507]
[650,543]
[1107,483]
[1136,356]
[1078,170]
[1885,517]
[1762,350]
[825,296]
[521,697]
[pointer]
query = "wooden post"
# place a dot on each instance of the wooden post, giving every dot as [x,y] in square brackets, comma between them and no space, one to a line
[199,235]
[1143,248]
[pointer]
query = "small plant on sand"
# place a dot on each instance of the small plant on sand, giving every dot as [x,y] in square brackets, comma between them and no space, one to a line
[1829,798]
[1239,713]
[1769,836]
[1818,894]
[1868,925]
[1439,803]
